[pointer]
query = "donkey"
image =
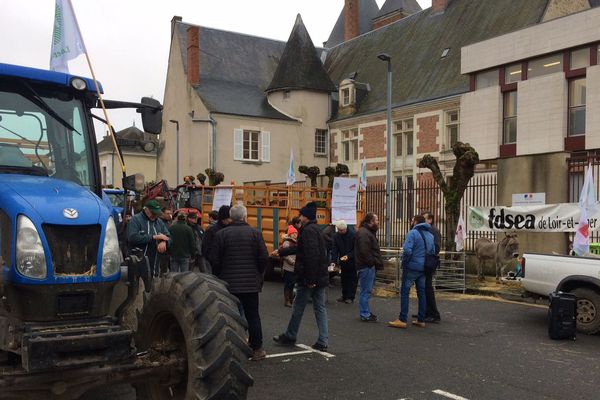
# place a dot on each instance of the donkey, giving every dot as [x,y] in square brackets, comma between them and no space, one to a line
[501,252]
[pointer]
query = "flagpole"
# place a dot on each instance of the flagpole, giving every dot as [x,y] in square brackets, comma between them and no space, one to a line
[110,127]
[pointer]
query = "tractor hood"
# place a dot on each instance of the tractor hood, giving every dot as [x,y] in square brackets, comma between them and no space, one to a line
[53,200]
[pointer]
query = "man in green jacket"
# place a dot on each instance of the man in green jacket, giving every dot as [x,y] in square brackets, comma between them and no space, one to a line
[183,246]
[149,233]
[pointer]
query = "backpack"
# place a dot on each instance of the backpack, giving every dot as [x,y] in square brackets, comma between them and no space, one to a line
[432,261]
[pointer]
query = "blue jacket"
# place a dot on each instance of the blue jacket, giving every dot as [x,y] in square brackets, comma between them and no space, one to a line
[414,248]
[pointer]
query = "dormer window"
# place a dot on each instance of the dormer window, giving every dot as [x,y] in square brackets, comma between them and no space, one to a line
[346,96]
[347,93]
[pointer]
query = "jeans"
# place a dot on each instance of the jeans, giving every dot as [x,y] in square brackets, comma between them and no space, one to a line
[180,264]
[318,299]
[289,280]
[366,277]
[349,281]
[249,304]
[409,277]
[431,310]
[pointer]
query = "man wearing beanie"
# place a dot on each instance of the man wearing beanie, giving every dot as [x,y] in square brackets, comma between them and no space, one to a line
[208,243]
[343,254]
[312,279]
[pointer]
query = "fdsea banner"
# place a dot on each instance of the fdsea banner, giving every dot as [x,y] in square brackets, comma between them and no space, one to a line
[562,217]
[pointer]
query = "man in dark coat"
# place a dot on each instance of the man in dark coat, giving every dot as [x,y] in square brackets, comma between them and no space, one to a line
[368,260]
[208,243]
[342,253]
[431,311]
[312,279]
[240,258]
[183,246]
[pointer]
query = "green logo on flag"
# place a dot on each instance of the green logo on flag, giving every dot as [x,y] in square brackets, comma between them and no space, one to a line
[58,26]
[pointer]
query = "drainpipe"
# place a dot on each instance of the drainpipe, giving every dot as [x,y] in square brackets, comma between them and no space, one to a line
[213,151]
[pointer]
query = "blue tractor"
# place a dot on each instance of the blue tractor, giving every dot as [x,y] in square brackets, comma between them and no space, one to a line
[60,263]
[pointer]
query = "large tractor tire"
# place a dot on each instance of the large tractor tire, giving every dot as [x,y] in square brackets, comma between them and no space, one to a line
[193,315]
[588,310]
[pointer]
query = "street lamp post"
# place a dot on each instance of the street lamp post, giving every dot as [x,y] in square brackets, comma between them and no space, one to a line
[177,150]
[388,178]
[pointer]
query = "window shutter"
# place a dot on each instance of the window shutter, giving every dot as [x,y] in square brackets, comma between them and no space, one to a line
[238,144]
[265,140]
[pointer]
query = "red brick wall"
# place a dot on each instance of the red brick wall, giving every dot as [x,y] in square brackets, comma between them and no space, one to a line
[375,179]
[351,28]
[376,166]
[373,143]
[193,55]
[386,21]
[427,134]
[333,147]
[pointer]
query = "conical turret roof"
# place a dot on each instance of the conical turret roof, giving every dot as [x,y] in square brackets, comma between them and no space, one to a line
[300,66]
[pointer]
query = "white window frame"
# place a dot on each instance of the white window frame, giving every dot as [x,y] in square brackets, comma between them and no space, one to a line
[449,125]
[350,142]
[243,146]
[321,150]
[403,128]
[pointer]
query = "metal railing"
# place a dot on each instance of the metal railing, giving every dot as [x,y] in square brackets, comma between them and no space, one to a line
[450,276]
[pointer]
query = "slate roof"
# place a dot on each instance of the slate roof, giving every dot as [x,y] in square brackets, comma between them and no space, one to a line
[235,70]
[367,10]
[129,134]
[415,44]
[408,6]
[299,66]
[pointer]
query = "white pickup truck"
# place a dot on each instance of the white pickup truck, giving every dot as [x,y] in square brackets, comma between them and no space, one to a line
[546,273]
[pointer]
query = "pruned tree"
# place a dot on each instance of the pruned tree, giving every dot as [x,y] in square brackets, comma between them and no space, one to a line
[454,188]
[311,172]
[201,178]
[333,172]
[214,177]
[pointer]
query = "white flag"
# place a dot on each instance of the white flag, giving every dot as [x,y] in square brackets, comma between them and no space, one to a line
[461,233]
[291,174]
[587,206]
[67,42]
[363,174]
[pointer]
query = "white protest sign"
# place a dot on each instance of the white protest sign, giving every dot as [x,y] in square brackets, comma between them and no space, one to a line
[343,200]
[222,197]
[562,217]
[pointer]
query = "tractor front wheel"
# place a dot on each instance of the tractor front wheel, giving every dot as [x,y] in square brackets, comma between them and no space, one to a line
[193,316]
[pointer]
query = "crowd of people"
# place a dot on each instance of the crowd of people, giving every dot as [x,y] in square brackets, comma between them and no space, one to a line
[235,252]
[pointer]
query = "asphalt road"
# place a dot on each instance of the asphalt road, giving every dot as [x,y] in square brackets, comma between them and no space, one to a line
[483,349]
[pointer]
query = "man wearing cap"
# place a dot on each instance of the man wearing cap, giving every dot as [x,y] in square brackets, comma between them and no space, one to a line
[183,246]
[208,244]
[149,233]
[342,253]
[312,278]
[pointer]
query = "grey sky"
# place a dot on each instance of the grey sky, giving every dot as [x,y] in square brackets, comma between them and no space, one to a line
[128,40]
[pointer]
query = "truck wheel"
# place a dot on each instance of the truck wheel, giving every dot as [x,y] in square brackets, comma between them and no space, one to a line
[588,310]
[193,315]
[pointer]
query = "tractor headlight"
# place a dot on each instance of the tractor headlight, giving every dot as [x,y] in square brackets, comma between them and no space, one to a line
[31,260]
[111,254]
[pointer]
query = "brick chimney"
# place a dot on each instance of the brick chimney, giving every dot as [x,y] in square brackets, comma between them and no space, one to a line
[351,27]
[439,6]
[193,55]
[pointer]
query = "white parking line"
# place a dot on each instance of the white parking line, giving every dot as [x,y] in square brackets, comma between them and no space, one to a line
[307,350]
[449,395]
[323,353]
[291,353]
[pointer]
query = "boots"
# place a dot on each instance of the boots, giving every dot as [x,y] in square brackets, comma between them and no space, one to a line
[289,297]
